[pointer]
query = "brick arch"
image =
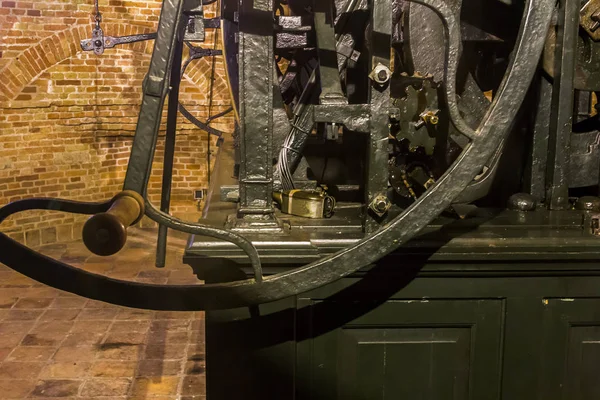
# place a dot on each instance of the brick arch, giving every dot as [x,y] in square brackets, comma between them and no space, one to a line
[199,73]
[56,48]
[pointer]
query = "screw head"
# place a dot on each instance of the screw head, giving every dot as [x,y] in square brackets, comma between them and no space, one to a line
[98,43]
[521,202]
[588,203]
[382,75]
[381,205]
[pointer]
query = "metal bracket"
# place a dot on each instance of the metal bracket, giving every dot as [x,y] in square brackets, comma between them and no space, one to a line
[99,42]
[355,117]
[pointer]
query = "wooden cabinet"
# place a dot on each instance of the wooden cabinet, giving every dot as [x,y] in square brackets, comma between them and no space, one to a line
[477,330]
[570,367]
[417,349]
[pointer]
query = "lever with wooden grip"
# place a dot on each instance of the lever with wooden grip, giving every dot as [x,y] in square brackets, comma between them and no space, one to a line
[105,234]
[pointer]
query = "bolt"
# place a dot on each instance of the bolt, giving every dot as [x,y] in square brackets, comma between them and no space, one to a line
[382,75]
[588,203]
[381,205]
[429,117]
[521,202]
[98,43]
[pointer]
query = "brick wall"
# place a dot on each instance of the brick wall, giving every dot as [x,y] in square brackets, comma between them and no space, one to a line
[67,117]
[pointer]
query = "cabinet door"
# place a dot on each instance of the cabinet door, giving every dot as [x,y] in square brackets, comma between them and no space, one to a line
[570,365]
[418,350]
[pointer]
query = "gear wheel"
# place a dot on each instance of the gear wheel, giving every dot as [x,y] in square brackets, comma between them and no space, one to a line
[417,118]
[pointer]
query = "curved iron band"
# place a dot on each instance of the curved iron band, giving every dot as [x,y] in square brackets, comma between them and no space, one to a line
[75,207]
[473,103]
[165,219]
[492,130]
[449,11]
[199,124]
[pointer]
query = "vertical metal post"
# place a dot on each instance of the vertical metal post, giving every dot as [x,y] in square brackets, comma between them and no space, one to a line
[256,110]
[172,111]
[331,88]
[557,193]
[377,159]
[535,180]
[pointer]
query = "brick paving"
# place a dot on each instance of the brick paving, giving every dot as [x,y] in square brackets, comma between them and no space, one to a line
[57,345]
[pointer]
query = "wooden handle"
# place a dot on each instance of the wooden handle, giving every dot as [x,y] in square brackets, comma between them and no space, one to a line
[105,234]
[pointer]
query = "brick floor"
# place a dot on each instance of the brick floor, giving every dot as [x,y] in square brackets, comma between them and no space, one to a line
[56,345]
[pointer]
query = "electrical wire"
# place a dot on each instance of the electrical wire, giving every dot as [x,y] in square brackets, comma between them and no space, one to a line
[301,125]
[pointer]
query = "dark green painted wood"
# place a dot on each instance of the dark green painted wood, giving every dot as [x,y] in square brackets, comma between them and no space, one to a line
[523,330]
[425,349]
[251,352]
[484,331]
[571,349]
[419,363]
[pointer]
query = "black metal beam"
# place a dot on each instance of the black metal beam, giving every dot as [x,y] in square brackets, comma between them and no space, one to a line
[170,137]
[256,108]
[561,121]
[377,160]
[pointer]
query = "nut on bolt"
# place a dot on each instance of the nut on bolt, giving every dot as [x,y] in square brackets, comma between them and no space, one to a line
[431,117]
[588,203]
[521,202]
[380,205]
[380,74]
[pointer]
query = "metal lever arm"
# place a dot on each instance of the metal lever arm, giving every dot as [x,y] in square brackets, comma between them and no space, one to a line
[105,234]
[108,42]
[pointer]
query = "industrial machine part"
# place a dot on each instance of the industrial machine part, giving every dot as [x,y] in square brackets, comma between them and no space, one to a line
[407,111]
[306,203]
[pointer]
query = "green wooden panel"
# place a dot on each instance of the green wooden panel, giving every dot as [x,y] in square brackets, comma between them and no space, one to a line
[583,364]
[415,349]
[533,333]
[570,364]
[523,330]
[415,363]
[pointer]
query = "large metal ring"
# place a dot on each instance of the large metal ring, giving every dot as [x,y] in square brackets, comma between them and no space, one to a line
[487,137]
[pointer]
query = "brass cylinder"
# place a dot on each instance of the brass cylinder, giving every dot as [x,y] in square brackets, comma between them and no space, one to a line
[105,234]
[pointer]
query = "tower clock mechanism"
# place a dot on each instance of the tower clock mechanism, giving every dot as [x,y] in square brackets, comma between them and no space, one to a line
[361,126]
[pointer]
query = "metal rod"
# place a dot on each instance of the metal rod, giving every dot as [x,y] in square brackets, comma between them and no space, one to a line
[170,136]
[561,121]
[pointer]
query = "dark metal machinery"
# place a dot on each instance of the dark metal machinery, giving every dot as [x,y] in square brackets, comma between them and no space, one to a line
[372,119]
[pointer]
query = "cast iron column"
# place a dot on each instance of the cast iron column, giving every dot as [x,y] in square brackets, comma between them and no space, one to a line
[561,122]
[256,111]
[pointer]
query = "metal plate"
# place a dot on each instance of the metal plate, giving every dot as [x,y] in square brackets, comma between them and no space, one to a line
[229,38]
